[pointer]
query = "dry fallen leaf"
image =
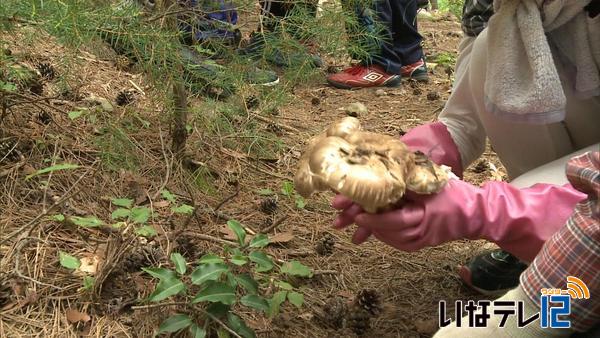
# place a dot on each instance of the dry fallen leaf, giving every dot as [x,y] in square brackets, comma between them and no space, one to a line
[227,233]
[89,265]
[161,204]
[282,237]
[74,316]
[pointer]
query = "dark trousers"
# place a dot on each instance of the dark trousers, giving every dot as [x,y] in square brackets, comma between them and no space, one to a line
[272,11]
[401,43]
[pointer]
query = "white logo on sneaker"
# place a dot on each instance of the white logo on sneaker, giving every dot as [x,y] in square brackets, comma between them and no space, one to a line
[372,77]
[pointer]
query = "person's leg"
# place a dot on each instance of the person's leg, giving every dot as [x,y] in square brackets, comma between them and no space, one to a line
[406,38]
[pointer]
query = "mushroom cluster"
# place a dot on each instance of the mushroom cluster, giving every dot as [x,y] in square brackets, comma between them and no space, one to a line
[373,170]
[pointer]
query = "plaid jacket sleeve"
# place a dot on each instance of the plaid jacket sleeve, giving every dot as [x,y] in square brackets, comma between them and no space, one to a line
[575,249]
[476,14]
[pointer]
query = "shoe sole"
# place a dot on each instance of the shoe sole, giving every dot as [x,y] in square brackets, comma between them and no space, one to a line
[418,78]
[396,82]
[268,84]
[465,276]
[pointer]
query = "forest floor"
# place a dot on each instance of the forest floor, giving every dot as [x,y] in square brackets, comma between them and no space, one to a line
[123,151]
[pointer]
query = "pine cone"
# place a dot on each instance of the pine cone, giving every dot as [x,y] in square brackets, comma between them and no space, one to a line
[8,151]
[369,301]
[252,102]
[334,312]
[275,129]
[46,70]
[186,247]
[268,206]
[325,246]
[359,321]
[124,97]
[432,96]
[142,257]
[480,167]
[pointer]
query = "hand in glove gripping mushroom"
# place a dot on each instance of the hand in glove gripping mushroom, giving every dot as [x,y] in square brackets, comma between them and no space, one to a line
[373,170]
[518,220]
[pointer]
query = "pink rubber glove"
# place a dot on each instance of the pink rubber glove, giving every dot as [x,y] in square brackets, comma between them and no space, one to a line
[434,140]
[518,220]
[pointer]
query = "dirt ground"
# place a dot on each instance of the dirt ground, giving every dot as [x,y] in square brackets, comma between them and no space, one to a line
[36,293]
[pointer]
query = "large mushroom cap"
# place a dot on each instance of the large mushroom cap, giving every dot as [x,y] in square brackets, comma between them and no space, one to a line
[373,170]
[344,127]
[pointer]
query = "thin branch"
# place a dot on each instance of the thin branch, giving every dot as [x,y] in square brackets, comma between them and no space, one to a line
[218,321]
[211,238]
[227,199]
[275,224]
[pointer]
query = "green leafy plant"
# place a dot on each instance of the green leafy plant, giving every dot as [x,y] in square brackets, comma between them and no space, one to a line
[240,275]
[446,59]
[287,189]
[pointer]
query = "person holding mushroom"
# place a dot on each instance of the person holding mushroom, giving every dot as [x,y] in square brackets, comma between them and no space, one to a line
[530,84]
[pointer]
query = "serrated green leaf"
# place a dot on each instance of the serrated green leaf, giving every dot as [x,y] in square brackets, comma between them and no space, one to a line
[287,188]
[216,292]
[160,273]
[255,302]
[123,202]
[239,326]
[206,272]
[120,213]
[166,288]
[295,268]
[166,194]
[275,302]
[75,114]
[239,260]
[265,192]
[197,331]
[175,323]
[296,298]
[88,282]
[68,261]
[64,166]
[238,230]
[87,222]
[300,202]
[259,241]
[179,261]
[210,258]
[263,261]
[146,231]
[183,209]
[140,215]
[284,286]
[58,217]
[248,283]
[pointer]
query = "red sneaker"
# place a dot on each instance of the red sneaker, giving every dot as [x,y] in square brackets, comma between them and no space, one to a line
[416,71]
[364,76]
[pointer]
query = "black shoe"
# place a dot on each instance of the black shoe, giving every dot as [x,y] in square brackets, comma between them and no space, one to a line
[493,272]
[256,48]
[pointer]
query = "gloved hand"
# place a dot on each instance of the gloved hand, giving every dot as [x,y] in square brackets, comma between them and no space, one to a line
[518,220]
[435,141]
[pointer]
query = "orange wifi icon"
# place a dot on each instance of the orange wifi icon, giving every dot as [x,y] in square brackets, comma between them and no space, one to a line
[577,288]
